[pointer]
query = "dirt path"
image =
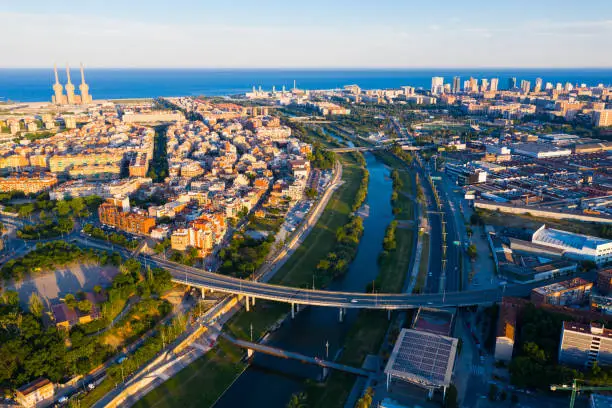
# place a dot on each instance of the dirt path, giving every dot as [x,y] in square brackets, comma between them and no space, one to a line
[52,285]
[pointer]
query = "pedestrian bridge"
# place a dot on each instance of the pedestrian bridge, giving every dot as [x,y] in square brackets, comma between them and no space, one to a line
[276,352]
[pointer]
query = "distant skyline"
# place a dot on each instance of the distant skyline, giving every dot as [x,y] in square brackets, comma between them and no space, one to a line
[314,34]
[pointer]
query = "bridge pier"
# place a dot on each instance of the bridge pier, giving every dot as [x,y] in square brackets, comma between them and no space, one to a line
[293,311]
[248,303]
[250,353]
[341,315]
[388,314]
[253,300]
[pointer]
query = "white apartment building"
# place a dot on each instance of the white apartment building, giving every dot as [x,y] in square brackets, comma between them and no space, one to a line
[583,345]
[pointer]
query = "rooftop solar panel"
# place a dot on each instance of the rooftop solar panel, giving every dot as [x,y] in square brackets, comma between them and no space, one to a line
[423,358]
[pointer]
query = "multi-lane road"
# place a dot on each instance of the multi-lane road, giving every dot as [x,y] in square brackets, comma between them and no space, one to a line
[445,272]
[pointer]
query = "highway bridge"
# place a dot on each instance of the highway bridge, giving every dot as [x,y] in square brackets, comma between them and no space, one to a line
[252,290]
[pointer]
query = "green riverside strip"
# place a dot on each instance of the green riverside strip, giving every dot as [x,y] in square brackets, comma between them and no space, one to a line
[204,381]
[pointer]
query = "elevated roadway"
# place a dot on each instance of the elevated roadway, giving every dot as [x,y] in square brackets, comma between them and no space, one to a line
[343,300]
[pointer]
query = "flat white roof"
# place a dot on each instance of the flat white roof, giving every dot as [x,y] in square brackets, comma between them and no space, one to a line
[567,239]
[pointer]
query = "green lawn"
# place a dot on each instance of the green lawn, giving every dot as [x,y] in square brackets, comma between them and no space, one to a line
[262,316]
[405,203]
[299,269]
[423,266]
[394,267]
[201,383]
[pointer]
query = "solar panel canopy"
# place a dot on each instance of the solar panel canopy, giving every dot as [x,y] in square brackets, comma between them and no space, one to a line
[423,358]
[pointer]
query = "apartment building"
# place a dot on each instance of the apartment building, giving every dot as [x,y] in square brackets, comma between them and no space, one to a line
[602,118]
[604,281]
[139,165]
[583,344]
[135,222]
[62,163]
[570,292]
[13,161]
[28,183]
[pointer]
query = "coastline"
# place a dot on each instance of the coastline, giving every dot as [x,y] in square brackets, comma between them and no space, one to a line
[34,84]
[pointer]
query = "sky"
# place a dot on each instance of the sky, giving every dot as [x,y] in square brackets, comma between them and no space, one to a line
[306,34]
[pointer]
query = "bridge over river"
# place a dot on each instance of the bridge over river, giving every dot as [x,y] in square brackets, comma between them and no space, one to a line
[252,290]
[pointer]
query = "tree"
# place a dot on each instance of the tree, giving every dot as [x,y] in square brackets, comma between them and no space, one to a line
[492,392]
[311,193]
[476,219]
[26,210]
[297,400]
[366,400]
[84,306]
[472,251]
[451,397]
[10,298]
[70,300]
[62,208]
[36,305]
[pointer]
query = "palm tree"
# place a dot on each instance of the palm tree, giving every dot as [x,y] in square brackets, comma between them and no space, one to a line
[298,400]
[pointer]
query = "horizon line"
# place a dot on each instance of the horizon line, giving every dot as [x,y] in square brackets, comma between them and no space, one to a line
[353,68]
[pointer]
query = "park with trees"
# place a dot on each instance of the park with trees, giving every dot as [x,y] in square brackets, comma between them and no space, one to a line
[29,348]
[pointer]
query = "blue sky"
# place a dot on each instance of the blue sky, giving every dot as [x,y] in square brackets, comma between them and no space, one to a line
[315,33]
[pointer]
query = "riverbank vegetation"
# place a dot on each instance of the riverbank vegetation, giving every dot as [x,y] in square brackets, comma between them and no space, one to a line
[389,241]
[368,332]
[362,192]
[403,155]
[343,252]
[298,270]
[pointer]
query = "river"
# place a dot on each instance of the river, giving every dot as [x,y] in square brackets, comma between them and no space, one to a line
[337,138]
[269,381]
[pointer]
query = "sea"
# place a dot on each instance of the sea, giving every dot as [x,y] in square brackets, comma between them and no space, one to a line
[34,85]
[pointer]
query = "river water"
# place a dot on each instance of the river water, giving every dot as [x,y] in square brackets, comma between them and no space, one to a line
[269,381]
